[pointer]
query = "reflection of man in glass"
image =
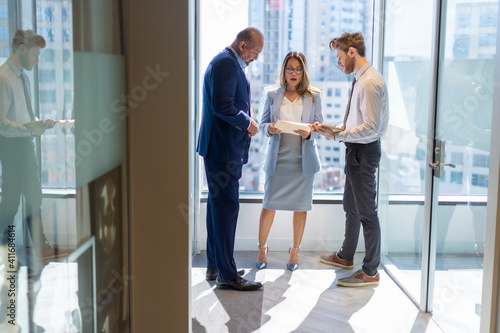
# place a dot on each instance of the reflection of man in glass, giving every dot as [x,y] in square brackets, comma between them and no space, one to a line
[18,127]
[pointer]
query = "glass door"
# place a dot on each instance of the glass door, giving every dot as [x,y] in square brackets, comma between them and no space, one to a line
[407,69]
[438,63]
[460,164]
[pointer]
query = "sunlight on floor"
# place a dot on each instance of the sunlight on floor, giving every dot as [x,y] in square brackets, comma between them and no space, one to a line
[306,300]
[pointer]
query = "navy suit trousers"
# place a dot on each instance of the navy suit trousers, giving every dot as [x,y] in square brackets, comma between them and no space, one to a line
[222,215]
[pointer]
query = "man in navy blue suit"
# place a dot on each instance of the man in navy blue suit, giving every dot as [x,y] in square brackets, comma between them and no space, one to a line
[225,134]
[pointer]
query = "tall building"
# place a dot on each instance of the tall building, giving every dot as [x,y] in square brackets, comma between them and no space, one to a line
[5,29]
[55,91]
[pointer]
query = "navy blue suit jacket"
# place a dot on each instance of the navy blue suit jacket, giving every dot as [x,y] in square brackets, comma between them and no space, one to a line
[226,111]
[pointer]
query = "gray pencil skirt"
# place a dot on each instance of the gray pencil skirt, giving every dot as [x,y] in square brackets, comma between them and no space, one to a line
[288,188]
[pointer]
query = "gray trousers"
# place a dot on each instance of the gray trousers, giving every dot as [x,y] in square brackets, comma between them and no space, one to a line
[360,204]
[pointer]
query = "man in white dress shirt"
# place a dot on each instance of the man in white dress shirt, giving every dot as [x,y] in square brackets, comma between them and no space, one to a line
[365,122]
[18,127]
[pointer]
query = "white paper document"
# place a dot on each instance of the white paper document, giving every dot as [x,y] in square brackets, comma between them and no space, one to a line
[291,126]
[333,128]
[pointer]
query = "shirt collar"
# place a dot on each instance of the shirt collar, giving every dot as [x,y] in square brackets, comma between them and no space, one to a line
[13,67]
[242,64]
[362,71]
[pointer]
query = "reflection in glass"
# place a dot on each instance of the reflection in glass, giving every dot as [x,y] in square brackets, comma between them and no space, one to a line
[407,69]
[463,124]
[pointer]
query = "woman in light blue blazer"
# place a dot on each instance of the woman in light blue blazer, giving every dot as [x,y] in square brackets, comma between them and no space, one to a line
[292,159]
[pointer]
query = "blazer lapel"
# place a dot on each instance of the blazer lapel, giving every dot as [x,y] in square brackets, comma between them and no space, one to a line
[243,75]
[277,99]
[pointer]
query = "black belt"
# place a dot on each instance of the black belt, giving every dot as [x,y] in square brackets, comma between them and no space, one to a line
[348,144]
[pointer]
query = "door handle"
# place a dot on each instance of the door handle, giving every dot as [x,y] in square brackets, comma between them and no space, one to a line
[437,165]
[439,154]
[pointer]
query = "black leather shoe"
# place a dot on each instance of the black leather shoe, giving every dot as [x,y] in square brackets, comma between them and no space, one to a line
[212,273]
[240,284]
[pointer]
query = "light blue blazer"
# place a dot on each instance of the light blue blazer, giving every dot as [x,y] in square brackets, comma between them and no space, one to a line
[312,112]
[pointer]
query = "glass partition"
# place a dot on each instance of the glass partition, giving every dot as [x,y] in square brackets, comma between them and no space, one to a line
[63,208]
[434,173]
[407,70]
[463,132]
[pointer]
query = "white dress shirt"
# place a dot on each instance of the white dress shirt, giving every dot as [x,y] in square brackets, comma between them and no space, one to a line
[13,110]
[291,111]
[369,111]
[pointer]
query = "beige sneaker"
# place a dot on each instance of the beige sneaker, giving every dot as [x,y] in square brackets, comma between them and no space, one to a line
[334,260]
[359,279]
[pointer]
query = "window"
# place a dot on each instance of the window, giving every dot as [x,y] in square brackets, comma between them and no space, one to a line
[66,55]
[47,96]
[463,20]
[285,29]
[482,161]
[47,75]
[461,46]
[45,14]
[488,19]
[67,76]
[47,55]
[487,39]
[4,33]
[65,14]
[66,35]
[47,33]
[456,177]
[479,180]
[4,11]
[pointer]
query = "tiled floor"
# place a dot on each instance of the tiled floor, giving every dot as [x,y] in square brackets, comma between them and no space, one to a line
[307,300]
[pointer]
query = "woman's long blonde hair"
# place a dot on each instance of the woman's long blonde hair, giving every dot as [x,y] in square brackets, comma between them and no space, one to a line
[304,88]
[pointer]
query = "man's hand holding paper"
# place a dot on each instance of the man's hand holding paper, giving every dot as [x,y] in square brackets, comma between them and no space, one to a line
[326,130]
[38,127]
[292,127]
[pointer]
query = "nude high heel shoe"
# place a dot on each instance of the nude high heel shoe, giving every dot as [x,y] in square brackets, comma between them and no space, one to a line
[262,265]
[292,267]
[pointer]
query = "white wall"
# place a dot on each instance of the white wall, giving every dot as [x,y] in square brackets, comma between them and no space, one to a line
[325,229]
